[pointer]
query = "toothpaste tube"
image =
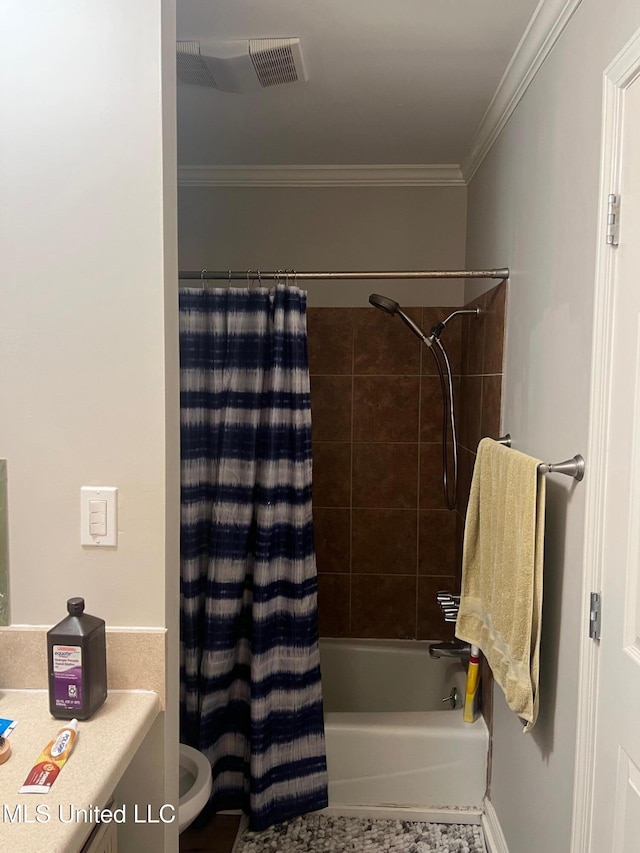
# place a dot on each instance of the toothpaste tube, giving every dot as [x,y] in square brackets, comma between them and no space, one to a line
[51,761]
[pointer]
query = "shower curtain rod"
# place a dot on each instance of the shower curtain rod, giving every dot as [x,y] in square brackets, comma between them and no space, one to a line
[282,275]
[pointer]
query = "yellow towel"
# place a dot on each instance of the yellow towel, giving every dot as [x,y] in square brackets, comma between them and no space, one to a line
[501,596]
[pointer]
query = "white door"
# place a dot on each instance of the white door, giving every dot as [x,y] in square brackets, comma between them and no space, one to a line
[616,791]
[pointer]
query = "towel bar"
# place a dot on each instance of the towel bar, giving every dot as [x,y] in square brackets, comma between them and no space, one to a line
[573,467]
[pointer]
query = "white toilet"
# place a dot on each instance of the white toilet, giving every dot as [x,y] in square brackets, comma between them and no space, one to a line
[194,785]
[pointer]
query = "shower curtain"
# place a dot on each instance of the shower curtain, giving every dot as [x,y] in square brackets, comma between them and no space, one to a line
[250,676]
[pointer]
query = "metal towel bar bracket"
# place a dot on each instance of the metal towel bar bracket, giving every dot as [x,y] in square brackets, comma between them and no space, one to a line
[573,467]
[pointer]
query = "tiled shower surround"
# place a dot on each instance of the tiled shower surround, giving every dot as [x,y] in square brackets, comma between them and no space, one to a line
[385,541]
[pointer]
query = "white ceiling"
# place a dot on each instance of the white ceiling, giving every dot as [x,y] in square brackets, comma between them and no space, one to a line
[403,82]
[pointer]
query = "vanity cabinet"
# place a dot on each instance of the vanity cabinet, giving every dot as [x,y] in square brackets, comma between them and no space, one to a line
[109,762]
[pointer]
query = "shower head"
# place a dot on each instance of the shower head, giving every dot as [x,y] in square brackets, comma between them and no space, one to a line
[384,303]
[390,307]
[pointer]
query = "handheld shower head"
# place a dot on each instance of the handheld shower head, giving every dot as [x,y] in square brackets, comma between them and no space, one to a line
[437,351]
[384,303]
[390,307]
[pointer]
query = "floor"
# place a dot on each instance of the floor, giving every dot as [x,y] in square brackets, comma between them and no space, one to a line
[216,837]
[219,835]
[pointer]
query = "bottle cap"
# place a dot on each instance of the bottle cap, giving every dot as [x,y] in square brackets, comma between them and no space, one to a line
[75,606]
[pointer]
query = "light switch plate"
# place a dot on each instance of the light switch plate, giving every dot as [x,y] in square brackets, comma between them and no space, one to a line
[99,493]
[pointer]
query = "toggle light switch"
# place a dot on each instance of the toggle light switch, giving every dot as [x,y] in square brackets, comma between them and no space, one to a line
[98,515]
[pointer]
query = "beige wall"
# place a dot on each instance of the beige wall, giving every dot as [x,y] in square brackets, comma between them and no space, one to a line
[88,320]
[533,207]
[330,228]
[83,261]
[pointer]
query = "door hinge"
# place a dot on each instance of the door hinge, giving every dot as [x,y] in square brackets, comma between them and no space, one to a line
[595,612]
[613,219]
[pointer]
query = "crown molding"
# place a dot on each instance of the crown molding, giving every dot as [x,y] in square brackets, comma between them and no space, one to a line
[428,175]
[543,31]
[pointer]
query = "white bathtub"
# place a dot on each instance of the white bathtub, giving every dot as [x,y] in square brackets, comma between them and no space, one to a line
[389,744]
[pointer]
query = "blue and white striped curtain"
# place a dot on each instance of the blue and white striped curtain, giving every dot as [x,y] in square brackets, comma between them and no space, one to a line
[250,677]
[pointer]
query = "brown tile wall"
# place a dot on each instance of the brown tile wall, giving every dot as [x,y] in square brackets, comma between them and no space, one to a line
[385,542]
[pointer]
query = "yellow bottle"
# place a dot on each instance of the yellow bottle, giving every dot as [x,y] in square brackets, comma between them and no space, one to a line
[472,692]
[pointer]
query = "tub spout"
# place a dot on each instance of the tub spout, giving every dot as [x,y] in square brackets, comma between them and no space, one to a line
[455,649]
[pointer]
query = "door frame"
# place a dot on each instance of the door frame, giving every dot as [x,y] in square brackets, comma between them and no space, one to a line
[618,76]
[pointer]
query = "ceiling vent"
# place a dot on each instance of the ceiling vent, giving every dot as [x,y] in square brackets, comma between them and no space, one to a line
[240,66]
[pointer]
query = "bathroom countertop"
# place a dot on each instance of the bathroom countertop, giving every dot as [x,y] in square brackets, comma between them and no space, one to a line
[50,823]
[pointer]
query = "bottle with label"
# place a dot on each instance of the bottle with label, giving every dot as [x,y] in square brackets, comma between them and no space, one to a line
[77,655]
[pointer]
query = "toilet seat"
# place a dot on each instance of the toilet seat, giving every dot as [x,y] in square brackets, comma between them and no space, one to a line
[191,804]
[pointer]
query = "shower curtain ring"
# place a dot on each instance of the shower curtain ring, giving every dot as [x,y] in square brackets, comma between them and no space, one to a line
[202,273]
[229,271]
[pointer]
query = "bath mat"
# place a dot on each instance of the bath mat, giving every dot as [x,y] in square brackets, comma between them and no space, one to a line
[328,834]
